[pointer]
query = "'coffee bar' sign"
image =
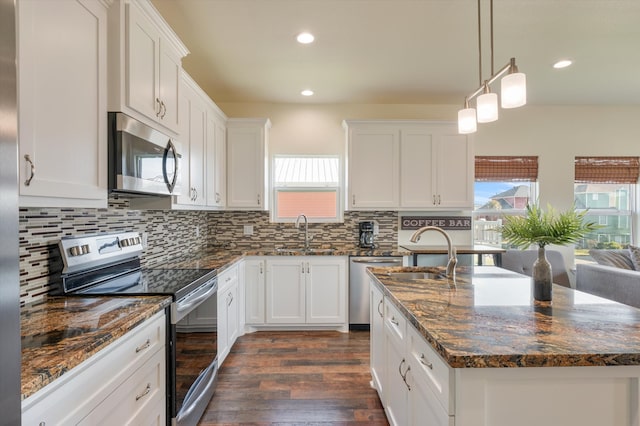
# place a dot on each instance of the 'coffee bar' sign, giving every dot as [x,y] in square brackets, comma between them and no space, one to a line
[455,223]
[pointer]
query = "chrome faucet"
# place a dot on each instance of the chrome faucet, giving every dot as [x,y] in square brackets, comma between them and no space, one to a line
[306,230]
[451,250]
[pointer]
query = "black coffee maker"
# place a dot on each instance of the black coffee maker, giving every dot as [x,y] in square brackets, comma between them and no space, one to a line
[366,234]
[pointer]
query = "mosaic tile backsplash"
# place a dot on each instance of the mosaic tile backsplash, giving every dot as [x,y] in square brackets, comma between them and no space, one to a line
[170,233]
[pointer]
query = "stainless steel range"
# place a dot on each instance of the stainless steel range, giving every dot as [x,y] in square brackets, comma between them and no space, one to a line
[109,264]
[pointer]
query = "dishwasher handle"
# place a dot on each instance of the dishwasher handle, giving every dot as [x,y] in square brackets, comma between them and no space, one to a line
[378,260]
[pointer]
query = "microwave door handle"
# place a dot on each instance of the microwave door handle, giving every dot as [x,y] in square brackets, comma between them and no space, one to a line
[170,148]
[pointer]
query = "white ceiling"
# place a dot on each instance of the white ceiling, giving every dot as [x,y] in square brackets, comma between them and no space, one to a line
[407,51]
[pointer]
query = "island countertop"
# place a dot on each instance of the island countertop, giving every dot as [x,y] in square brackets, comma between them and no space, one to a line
[487,318]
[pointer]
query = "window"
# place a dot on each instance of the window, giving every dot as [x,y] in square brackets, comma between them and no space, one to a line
[504,186]
[308,185]
[606,188]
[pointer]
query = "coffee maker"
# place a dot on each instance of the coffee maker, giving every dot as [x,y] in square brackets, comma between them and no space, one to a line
[366,234]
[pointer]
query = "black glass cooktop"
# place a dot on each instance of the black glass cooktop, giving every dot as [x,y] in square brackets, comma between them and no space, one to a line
[173,282]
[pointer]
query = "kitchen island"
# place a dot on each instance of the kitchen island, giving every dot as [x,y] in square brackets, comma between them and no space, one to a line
[463,346]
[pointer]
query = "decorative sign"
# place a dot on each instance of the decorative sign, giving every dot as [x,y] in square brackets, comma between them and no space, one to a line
[455,223]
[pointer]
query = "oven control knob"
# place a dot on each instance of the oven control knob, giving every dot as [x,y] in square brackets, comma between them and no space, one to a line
[124,242]
[137,240]
[75,251]
[132,241]
[85,249]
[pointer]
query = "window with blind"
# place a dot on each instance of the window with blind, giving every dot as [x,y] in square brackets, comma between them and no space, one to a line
[308,185]
[606,187]
[504,185]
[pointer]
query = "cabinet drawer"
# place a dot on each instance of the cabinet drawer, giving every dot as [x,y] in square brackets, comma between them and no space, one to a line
[227,277]
[140,393]
[428,367]
[395,322]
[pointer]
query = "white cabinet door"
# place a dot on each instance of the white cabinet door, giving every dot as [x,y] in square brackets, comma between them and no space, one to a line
[152,70]
[424,408]
[395,392]
[222,335]
[416,168]
[254,283]
[455,171]
[169,85]
[62,92]
[247,144]
[143,60]
[326,290]
[192,143]
[233,329]
[216,158]
[286,290]
[377,340]
[373,179]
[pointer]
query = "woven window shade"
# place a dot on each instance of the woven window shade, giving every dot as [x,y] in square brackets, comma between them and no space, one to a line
[506,169]
[607,169]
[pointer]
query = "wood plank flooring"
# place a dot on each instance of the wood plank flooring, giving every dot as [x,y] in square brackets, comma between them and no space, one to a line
[296,378]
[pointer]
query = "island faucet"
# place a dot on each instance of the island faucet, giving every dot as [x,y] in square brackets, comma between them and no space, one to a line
[306,230]
[451,250]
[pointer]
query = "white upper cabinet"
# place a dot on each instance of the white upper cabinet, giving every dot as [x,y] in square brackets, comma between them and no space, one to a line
[247,171]
[372,171]
[216,148]
[62,93]
[436,168]
[145,62]
[408,165]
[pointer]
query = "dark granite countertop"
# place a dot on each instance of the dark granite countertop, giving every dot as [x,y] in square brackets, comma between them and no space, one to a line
[61,332]
[487,318]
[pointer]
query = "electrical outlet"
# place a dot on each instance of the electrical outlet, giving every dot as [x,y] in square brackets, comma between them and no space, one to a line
[145,238]
[248,229]
[376,228]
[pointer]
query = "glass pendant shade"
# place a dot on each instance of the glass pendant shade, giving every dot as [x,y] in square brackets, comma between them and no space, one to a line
[467,121]
[487,105]
[513,90]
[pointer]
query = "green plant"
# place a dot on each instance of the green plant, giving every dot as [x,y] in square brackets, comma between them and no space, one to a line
[546,227]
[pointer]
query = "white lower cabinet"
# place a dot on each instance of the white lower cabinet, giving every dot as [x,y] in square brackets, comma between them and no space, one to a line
[377,358]
[125,383]
[296,291]
[228,321]
[414,384]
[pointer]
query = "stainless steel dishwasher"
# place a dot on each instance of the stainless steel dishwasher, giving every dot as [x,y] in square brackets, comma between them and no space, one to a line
[359,287]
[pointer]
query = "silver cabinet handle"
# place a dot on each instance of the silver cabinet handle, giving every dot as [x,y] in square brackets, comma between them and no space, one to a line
[260,268]
[217,197]
[195,190]
[163,109]
[434,199]
[380,304]
[28,159]
[439,200]
[424,361]
[394,321]
[302,267]
[404,376]
[144,392]
[158,107]
[381,260]
[229,299]
[353,201]
[308,270]
[259,200]
[144,346]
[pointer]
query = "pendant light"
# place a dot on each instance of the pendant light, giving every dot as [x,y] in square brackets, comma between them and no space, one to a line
[513,89]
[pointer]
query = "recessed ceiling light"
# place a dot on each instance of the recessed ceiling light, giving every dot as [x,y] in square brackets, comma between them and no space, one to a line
[307,92]
[563,63]
[305,38]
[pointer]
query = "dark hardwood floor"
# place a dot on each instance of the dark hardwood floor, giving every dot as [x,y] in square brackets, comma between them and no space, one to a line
[296,378]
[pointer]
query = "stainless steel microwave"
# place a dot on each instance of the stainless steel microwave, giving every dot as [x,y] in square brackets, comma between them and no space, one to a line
[142,160]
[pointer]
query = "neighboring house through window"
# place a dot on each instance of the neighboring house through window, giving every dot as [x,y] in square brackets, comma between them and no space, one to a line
[504,185]
[606,187]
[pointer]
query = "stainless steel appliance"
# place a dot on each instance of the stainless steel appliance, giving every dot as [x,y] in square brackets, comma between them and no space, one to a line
[142,160]
[367,234]
[10,352]
[359,288]
[109,264]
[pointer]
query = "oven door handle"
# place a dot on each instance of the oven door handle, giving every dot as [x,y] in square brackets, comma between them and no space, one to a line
[191,303]
[198,395]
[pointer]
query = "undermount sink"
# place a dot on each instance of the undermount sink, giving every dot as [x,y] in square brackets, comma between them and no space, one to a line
[415,276]
[291,250]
